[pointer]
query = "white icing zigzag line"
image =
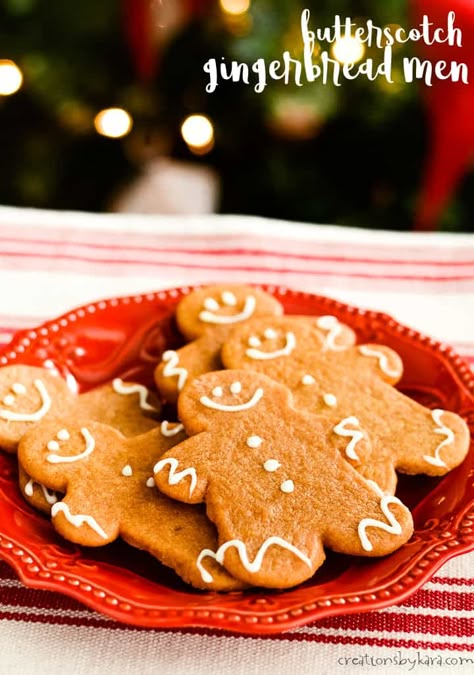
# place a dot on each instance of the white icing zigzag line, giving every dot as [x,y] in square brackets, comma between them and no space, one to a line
[171,359]
[77,520]
[285,351]
[166,431]
[246,313]
[251,567]
[393,527]
[49,495]
[209,403]
[121,387]
[441,429]
[90,445]
[354,434]
[30,417]
[382,359]
[174,476]
[331,324]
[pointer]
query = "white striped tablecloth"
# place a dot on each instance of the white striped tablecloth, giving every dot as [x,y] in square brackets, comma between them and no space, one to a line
[51,262]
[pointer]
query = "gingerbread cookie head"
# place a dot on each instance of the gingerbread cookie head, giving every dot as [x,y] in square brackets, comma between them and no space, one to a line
[108,491]
[27,395]
[219,308]
[274,482]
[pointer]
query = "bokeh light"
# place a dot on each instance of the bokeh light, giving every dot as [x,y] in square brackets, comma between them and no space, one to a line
[198,133]
[113,122]
[348,50]
[11,77]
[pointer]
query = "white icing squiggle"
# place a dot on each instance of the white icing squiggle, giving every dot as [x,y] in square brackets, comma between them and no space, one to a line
[354,434]
[174,476]
[209,403]
[77,519]
[382,359]
[171,359]
[168,431]
[251,567]
[90,445]
[330,324]
[11,416]
[121,387]
[393,526]
[257,354]
[49,495]
[246,313]
[441,429]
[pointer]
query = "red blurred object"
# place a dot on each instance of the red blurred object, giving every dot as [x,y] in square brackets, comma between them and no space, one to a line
[147,25]
[450,109]
[125,337]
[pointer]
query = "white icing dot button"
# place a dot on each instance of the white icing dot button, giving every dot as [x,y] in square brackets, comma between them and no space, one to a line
[150,482]
[254,441]
[271,465]
[307,379]
[287,486]
[330,400]
[127,470]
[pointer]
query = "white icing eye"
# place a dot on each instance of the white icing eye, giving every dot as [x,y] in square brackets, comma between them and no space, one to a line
[271,465]
[327,322]
[229,299]
[330,400]
[254,441]
[307,379]
[63,435]
[211,305]
[150,482]
[270,333]
[287,486]
[18,388]
[127,470]
[217,392]
[254,341]
[9,400]
[235,388]
[53,446]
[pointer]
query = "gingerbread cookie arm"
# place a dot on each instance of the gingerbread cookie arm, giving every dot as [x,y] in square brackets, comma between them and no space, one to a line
[181,474]
[179,367]
[379,359]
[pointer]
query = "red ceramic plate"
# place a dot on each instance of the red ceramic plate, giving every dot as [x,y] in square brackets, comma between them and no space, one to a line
[125,337]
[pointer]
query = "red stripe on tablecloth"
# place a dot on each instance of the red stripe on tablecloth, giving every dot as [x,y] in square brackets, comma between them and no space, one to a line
[237,252]
[182,266]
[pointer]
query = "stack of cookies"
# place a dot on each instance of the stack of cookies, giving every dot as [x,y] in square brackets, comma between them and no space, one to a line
[287,440]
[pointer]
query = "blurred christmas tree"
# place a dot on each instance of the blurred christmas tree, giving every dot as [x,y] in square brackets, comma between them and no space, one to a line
[350,155]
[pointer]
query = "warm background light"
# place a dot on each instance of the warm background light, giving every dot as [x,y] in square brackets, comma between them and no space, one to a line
[11,77]
[234,7]
[113,122]
[198,132]
[348,50]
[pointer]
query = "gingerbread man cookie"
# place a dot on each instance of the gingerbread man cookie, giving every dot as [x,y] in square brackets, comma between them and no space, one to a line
[356,384]
[274,483]
[205,318]
[109,491]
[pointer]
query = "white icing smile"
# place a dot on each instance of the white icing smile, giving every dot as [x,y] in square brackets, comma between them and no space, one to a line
[209,315]
[218,392]
[253,353]
[18,388]
[59,459]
